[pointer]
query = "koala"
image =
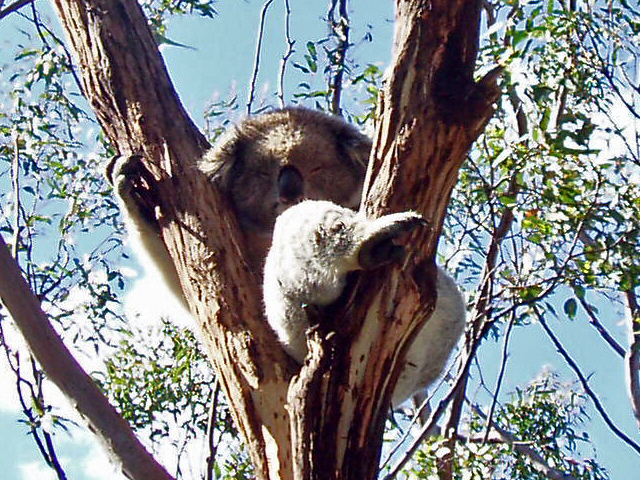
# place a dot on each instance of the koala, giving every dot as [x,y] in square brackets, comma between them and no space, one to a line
[272,161]
[315,244]
[265,165]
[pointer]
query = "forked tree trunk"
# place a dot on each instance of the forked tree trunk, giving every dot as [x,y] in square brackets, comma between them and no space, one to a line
[329,422]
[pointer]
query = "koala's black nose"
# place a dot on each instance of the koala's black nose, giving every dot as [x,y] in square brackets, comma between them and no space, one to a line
[290,184]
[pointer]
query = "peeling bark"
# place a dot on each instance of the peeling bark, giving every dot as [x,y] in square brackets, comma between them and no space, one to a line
[328,423]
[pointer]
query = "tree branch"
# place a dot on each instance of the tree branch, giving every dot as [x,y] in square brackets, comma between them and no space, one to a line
[340,31]
[128,87]
[503,365]
[63,370]
[256,63]
[14,7]
[585,385]
[632,358]
[593,320]
[289,51]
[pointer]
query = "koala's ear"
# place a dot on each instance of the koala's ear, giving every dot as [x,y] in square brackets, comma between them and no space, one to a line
[355,145]
[222,162]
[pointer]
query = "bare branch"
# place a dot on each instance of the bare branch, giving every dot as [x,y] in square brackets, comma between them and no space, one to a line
[458,384]
[211,428]
[256,64]
[340,31]
[593,320]
[65,372]
[46,447]
[287,54]
[421,416]
[15,184]
[632,360]
[14,7]
[585,384]
[503,365]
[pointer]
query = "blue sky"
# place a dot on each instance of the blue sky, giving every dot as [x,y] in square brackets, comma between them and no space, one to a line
[222,64]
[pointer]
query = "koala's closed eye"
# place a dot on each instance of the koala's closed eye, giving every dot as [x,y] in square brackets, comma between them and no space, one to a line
[290,184]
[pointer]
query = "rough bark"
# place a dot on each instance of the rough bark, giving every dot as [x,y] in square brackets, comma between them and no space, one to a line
[430,113]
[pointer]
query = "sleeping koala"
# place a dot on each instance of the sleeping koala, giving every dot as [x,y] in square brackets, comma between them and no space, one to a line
[265,165]
[272,161]
[315,244]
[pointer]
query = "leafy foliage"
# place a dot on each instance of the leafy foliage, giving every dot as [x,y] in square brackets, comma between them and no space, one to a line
[547,413]
[544,218]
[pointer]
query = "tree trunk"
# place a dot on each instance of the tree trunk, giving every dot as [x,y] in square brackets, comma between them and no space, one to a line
[329,422]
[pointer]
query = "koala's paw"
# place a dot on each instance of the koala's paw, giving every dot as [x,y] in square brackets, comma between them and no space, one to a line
[378,247]
[133,184]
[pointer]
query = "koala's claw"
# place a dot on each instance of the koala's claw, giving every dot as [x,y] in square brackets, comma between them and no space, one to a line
[133,184]
[380,249]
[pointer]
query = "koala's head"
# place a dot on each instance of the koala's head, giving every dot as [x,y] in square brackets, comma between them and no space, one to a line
[272,161]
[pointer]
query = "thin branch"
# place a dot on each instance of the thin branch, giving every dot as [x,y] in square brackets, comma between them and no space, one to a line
[339,30]
[65,372]
[287,54]
[585,384]
[417,417]
[15,184]
[632,360]
[460,383]
[38,25]
[503,367]
[41,26]
[54,462]
[593,320]
[256,63]
[211,429]
[15,6]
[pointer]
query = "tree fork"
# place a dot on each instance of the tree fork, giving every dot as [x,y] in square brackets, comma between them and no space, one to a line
[430,113]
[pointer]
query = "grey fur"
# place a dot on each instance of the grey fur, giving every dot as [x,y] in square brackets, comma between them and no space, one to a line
[315,244]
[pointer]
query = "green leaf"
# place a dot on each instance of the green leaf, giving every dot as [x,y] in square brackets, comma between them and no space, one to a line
[571,308]
[507,201]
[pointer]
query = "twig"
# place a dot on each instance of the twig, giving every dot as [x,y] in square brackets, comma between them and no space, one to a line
[339,30]
[287,54]
[593,320]
[15,184]
[585,384]
[632,359]
[211,429]
[54,463]
[38,25]
[460,383]
[15,6]
[416,418]
[503,367]
[256,63]
[41,26]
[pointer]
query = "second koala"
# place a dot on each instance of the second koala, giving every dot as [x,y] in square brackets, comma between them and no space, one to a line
[315,244]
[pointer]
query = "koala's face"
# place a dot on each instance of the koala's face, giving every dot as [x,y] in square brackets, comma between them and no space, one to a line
[276,160]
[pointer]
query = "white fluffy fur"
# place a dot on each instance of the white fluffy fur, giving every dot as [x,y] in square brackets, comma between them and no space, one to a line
[315,244]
